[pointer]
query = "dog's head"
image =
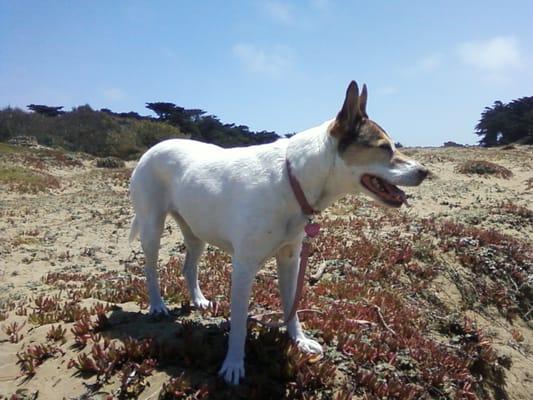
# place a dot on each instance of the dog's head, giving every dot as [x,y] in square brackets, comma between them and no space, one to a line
[369,161]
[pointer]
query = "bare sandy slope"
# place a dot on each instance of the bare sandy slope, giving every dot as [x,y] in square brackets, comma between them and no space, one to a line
[83,227]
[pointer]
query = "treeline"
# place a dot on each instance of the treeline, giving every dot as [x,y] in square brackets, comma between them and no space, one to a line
[208,128]
[507,123]
[125,135]
[87,130]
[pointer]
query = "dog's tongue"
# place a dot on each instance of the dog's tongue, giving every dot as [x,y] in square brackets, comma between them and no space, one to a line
[398,193]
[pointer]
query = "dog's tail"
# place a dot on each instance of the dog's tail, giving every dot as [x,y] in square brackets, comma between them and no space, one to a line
[134,229]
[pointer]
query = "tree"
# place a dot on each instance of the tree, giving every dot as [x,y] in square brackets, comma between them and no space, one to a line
[162,109]
[506,123]
[49,111]
[520,125]
[185,120]
[491,124]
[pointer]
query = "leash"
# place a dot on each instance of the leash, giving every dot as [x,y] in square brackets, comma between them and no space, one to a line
[311,230]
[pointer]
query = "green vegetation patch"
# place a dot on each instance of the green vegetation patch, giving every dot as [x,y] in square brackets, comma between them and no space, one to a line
[9,149]
[26,181]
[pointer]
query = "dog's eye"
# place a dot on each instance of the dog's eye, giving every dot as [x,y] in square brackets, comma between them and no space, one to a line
[385,146]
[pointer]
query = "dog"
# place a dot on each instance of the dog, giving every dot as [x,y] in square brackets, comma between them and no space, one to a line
[242,201]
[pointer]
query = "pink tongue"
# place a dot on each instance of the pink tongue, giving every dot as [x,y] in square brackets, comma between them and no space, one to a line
[399,193]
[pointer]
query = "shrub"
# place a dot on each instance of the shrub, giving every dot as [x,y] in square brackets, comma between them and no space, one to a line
[452,144]
[482,167]
[110,162]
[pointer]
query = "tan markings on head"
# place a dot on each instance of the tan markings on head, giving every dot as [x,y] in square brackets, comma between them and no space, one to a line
[400,158]
[370,145]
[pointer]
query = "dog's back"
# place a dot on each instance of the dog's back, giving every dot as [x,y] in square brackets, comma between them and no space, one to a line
[204,184]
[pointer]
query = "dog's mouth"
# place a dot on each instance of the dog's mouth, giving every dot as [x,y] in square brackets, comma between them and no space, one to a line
[387,192]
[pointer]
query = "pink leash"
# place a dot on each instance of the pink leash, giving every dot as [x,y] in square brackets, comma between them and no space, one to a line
[311,230]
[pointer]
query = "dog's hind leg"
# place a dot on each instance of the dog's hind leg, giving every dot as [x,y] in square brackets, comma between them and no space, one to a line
[151,229]
[195,248]
[288,261]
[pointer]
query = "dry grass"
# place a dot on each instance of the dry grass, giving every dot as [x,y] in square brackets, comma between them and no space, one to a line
[9,149]
[24,180]
[508,207]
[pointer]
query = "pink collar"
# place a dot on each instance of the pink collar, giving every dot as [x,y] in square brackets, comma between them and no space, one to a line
[307,209]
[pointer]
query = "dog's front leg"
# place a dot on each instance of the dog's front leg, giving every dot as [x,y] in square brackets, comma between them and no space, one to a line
[242,278]
[288,261]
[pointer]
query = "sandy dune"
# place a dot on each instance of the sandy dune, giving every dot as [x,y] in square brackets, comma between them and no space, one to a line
[80,230]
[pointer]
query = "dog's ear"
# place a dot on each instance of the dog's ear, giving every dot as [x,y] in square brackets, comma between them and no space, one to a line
[362,102]
[350,114]
[350,109]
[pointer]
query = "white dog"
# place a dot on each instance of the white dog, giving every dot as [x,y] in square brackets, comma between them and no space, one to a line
[241,200]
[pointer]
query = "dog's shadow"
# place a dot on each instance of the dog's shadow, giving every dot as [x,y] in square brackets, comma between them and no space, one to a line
[186,344]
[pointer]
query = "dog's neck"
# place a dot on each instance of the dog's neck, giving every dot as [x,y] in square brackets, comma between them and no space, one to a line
[313,154]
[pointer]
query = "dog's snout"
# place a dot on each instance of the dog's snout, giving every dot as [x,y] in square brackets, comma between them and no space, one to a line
[422,173]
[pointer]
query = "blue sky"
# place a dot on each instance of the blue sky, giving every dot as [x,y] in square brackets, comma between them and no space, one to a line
[430,66]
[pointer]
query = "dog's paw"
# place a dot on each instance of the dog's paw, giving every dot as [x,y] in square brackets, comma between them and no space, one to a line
[232,371]
[158,310]
[307,345]
[201,303]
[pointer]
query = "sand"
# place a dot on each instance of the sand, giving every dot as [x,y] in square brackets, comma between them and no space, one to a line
[83,227]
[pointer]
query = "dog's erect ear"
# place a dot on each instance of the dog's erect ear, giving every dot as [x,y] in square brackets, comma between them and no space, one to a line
[350,109]
[362,102]
[350,114]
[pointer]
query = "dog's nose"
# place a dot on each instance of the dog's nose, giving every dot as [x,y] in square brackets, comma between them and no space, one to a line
[423,173]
